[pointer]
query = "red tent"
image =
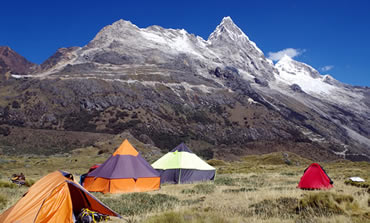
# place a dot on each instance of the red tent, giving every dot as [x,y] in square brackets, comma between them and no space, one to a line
[315,177]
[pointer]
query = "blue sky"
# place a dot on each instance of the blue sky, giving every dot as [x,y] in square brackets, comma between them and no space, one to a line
[331,36]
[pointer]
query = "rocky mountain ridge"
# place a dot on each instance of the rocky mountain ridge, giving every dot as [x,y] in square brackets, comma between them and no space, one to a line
[12,62]
[165,86]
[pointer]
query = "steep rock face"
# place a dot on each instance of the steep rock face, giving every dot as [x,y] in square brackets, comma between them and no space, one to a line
[234,48]
[62,55]
[10,61]
[165,86]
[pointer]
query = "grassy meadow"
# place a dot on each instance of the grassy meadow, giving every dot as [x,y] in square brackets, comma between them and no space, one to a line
[258,188]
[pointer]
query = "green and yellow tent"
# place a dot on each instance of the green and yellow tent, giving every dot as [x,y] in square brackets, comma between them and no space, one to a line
[181,165]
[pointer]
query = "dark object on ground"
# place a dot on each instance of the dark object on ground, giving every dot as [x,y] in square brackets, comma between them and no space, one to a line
[88,216]
[18,179]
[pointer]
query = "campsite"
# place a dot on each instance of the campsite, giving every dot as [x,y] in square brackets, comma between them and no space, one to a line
[184,112]
[255,188]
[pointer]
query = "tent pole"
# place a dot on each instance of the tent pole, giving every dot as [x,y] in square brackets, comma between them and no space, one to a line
[180,177]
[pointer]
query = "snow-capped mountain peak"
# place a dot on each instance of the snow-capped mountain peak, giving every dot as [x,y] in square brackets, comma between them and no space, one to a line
[293,67]
[285,59]
[233,46]
[309,79]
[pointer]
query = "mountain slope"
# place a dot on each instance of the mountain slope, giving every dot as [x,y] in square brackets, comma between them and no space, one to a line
[344,105]
[10,61]
[165,86]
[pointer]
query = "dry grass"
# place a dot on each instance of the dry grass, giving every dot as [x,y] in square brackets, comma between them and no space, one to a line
[255,189]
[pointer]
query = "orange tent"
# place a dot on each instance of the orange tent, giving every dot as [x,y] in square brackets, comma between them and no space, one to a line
[54,198]
[124,171]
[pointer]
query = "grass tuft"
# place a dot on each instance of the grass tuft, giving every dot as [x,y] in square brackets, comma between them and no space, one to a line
[357,184]
[283,207]
[243,189]
[140,203]
[326,203]
[4,184]
[192,217]
[227,181]
[169,217]
[214,162]
[3,201]
[200,189]
[29,183]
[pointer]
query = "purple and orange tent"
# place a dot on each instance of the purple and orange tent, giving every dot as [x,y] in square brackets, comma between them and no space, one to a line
[125,171]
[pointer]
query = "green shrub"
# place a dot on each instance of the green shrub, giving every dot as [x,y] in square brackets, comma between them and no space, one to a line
[140,203]
[4,184]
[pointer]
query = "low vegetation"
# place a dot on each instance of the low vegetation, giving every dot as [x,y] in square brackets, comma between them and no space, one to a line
[200,189]
[3,201]
[254,189]
[357,184]
[139,203]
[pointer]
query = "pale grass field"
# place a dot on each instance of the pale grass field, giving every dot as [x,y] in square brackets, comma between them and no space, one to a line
[265,180]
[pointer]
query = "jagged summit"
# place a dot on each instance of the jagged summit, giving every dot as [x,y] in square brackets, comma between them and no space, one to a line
[124,43]
[227,30]
[229,24]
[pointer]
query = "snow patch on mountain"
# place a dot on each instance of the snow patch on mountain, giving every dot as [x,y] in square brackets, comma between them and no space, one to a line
[321,93]
[293,72]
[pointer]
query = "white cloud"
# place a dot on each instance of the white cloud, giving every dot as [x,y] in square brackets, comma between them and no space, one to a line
[327,68]
[275,56]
